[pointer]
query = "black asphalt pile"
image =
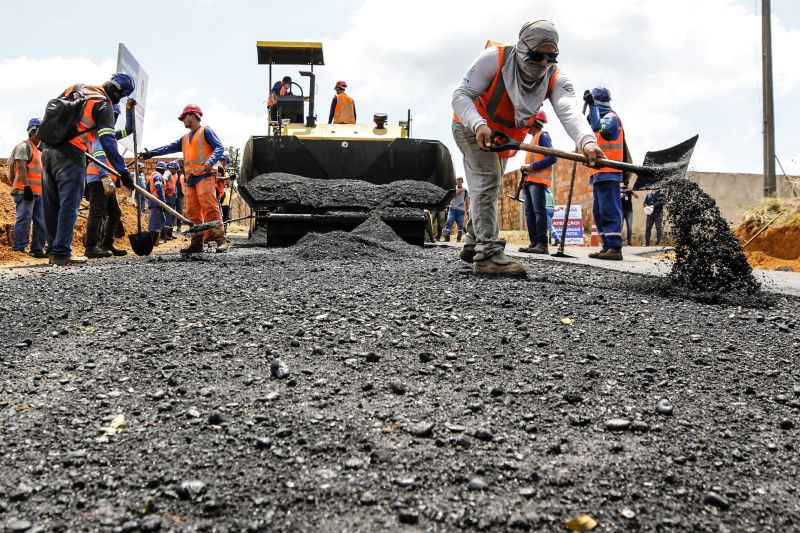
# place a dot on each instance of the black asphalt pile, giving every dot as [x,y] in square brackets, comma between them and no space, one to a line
[709,262]
[372,239]
[322,195]
[257,391]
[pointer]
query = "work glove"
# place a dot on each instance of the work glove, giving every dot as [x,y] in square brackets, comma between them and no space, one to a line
[126,179]
[587,97]
[130,103]
[27,193]
[146,154]
[108,185]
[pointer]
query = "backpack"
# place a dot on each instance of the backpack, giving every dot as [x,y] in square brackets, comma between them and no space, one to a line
[62,118]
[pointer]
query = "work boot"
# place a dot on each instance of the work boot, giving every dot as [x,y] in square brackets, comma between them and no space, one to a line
[170,236]
[195,246]
[94,252]
[222,245]
[70,260]
[467,253]
[499,265]
[526,249]
[612,254]
[595,255]
[446,237]
[163,235]
[155,236]
[116,252]
[38,254]
[540,249]
[458,236]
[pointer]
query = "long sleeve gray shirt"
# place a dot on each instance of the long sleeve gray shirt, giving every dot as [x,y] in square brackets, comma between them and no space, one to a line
[479,77]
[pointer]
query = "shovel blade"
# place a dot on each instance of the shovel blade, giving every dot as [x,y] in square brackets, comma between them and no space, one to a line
[667,164]
[141,243]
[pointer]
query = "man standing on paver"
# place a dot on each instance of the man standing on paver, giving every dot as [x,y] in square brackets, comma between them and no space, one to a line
[607,208]
[654,209]
[503,90]
[343,108]
[25,173]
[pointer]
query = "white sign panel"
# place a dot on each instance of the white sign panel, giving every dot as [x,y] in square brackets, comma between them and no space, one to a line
[127,63]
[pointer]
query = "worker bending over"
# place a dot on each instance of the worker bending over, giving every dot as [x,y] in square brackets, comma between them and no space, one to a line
[343,107]
[202,150]
[503,90]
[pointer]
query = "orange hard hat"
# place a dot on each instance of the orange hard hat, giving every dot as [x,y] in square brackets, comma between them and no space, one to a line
[541,117]
[193,109]
[340,84]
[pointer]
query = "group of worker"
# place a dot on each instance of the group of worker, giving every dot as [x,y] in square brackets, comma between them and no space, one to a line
[343,107]
[48,182]
[503,91]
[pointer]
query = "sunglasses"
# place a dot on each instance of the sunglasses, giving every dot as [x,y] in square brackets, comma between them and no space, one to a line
[536,56]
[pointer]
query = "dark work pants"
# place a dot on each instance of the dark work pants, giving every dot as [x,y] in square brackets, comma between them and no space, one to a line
[101,205]
[627,216]
[658,220]
[535,212]
[179,209]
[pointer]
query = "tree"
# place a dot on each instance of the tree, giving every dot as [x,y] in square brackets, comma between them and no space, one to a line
[235,161]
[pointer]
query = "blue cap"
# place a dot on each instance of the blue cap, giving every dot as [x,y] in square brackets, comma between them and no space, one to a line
[173,164]
[161,166]
[34,123]
[123,82]
[601,95]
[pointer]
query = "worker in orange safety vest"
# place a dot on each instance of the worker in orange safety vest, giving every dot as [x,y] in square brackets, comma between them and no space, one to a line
[538,170]
[343,107]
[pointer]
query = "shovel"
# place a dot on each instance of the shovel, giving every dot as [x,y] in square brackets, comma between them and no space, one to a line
[667,164]
[141,242]
[193,228]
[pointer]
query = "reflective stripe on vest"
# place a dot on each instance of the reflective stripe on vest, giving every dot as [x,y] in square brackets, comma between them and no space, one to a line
[94,95]
[613,148]
[34,171]
[544,175]
[97,151]
[345,111]
[195,152]
[496,108]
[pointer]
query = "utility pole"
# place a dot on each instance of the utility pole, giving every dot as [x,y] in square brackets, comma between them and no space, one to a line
[770,184]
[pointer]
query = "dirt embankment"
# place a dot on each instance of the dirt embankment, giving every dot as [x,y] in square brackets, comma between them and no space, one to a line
[8,214]
[778,247]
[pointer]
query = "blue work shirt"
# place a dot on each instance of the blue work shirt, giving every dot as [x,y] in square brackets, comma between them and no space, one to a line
[99,152]
[603,119]
[177,146]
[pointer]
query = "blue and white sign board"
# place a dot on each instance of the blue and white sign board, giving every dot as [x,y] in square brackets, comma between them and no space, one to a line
[127,63]
[575,225]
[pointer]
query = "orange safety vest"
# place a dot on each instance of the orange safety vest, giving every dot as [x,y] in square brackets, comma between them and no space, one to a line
[614,149]
[345,110]
[94,95]
[496,108]
[91,168]
[543,176]
[195,152]
[34,170]
[151,183]
[169,185]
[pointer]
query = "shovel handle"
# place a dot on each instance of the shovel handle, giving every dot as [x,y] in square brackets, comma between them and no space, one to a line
[508,144]
[142,191]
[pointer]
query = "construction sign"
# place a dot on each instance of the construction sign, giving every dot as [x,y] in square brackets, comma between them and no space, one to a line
[127,63]
[574,227]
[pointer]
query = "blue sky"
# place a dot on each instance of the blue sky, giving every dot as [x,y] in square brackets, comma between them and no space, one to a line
[674,68]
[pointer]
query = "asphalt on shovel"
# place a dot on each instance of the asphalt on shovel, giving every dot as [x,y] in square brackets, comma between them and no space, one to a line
[141,242]
[667,164]
[141,237]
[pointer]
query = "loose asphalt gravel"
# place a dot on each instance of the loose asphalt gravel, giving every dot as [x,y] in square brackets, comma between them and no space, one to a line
[262,391]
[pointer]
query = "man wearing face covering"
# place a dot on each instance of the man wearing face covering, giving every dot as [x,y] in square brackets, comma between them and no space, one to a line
[503,90]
